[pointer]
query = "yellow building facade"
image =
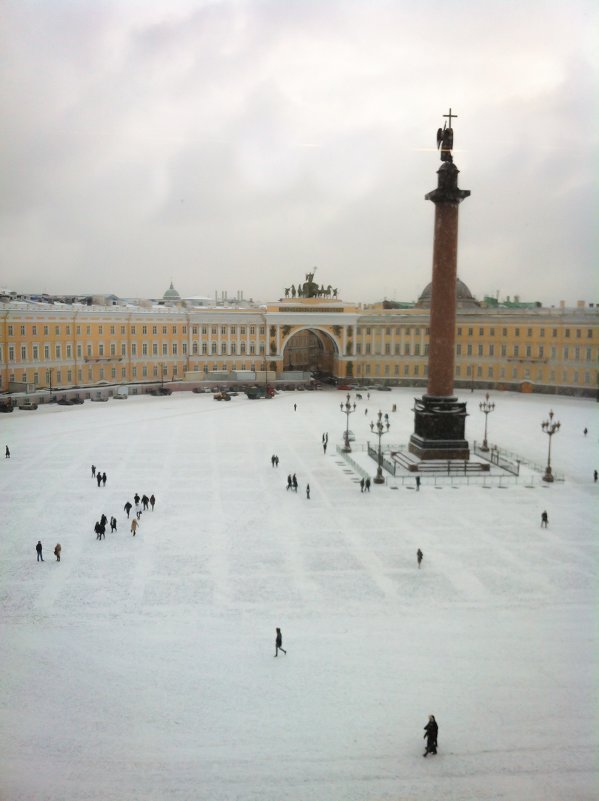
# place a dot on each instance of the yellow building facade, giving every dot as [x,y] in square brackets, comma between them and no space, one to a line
[62,346]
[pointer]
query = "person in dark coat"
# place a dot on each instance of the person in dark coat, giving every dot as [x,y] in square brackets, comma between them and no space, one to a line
[362,483]
[145,501]
[152,501]
[128,506]
[104,479]
[294,481]
[276,461]
[367,485]
[308,491]
[102,530]
[595,476]
[136,498]
[93,471]
[324,446]
[417,483]
[7,453]
[289,482]
[272,460]
[103,520]
[99,478]
[544,519]
[112,524]
[419,556]
[279,643]
[38,548]
[98,530]
[431,731]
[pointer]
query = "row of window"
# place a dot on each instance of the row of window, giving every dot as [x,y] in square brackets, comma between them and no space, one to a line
[195,329]
[44,352]
[461,331]
[574,352]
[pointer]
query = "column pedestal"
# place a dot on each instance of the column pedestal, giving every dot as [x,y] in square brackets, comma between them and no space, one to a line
[439,428]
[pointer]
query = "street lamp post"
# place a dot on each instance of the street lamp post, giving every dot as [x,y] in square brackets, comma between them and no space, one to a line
[346,408]
[486,408]
[49,378]
[378,428]
[550,428]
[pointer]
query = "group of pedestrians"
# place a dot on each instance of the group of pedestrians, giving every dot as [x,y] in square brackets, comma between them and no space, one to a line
[274,460]
[40,551]
[99,476]
[146,503]
[365,484]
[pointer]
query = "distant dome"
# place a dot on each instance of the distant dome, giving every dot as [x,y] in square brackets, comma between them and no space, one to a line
[465,298]
[171,293]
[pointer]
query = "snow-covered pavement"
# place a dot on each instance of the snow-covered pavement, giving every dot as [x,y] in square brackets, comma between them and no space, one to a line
[142,669]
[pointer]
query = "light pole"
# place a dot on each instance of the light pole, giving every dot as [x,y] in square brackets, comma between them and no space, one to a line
[550,428]
[486,408]
[378,428]
[347,410]
[49,378]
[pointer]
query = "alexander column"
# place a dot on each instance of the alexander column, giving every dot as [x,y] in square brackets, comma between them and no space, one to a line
[440,419]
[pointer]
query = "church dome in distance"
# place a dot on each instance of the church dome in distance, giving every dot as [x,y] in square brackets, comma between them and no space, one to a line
[171,293]
[465,298]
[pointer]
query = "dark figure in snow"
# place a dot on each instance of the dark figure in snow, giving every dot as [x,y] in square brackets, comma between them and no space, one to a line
[419,556]
[102,530]
[112,525]
[98,530]
[145,501]
[136,498]
[431,731]
[368,395]
[276,461]
[365,412]
[99,478]
[104,479]
[294,481]
[38,548]
[7,453]
[289,482]
[544,519]
[308,491]
[152,501]
[367,485]
[362,484]
[417,483]
[127,507]
[93,471]
[103,520]
[279,643]
[295,407]
[272,460]
[138,514]
[57,551]
[324,446]
[323,437]
[586,431]
[595,476]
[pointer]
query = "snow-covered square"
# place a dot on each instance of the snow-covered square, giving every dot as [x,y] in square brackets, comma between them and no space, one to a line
[142,668]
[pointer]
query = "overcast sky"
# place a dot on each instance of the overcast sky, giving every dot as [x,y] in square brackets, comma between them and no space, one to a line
[237,145]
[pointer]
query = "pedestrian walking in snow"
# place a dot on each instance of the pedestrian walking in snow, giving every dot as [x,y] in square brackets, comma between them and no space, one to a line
[102,530]
[362,483]
[367,485]
[295,407]
[323,437]
[586,431]
[417,483]
[544,519]
[289,482]
[128,506]
[7,453]
[145,501]
[93,471]
[368,395]
[272,460]
[294,482]
[365,412]
[279,643]
[98,530]
[134,526]
[138,513]
[104,479]
[103,520]
[354,406]
[38,548]
[308,491]
[112,525]
[152,501]
[136,499]
[99,478]
[57,550]
[595,476]
[276,461]
[324,447]
[419,556]
[431,733]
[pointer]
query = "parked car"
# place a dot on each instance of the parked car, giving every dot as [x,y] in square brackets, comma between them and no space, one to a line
[77,401]
[28,405]
[65,402]
[6,406]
